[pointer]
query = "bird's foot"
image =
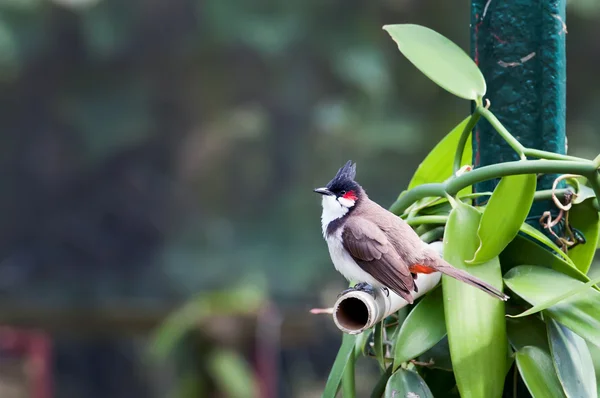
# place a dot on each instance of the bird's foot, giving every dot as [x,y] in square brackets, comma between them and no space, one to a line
[364,287]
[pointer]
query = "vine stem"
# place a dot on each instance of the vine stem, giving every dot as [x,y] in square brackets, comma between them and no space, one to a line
[522,151]
[427,220]
[460,149]
[510,140]
[454,184]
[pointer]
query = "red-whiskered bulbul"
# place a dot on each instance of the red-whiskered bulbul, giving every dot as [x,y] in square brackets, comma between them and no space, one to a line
[372,246]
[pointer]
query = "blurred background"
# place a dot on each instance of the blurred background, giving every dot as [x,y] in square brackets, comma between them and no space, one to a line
[158,232]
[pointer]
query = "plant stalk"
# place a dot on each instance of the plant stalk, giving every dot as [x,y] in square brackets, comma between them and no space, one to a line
[463,140]
[510,140]
[454,184]
[427,220]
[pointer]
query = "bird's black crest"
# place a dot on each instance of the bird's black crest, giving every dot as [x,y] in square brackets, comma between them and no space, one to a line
[344,176]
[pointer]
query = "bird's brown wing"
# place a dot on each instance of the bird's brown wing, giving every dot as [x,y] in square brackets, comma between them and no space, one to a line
[372,251]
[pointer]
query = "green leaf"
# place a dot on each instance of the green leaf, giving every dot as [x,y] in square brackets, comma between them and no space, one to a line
[423,328]
[337,371]
[362,340]
[407,383]
[504,214]
[378,344]
[437,166]
[580,312]
[232,373]
[540,237]
[474,320]
[439,59]
[555,300]
[537,371]
[348,382]
[595,353]
[572,361]
[524,251]
[586,219]
[379,388]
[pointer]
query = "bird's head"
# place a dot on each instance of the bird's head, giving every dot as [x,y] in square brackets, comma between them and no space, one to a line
[342,193]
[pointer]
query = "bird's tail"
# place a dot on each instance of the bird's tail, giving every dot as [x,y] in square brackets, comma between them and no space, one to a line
[469,279]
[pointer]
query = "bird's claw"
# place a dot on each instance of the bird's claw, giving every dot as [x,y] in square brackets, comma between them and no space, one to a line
[361,287]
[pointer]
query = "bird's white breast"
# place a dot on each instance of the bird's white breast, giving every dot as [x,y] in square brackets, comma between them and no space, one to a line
[343,262]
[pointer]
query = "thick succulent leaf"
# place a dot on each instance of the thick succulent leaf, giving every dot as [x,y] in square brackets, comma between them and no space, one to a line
[344,355]
[584,218]
[524,251]
[595,354]
[572,361]
[537,371]
[579,312]
[423,328]
[557,299]
[504,214]
[439,59]
[406,383]
[437,166]
[474,320]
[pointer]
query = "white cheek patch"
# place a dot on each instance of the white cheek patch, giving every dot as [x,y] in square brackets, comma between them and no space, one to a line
[346,202]
[332,210]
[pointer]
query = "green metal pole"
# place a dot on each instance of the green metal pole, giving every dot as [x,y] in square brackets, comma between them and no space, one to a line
[519,46]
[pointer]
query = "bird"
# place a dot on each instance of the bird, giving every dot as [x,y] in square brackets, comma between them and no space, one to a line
[375,248]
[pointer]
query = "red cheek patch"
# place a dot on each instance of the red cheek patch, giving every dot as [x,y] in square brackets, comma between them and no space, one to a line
[350,195]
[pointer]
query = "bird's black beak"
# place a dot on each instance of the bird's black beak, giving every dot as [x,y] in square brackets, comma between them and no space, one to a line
[323,191]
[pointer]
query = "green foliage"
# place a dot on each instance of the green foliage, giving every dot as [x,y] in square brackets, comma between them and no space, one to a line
[344,358]
[478,342]
[423,328]
[518,284]
[437,166]
[405,382]
[550,327]
[585,219]
[439,59]
[232,374]
[503,216]
[572,360]
[579,311]
[536,369]
[378,347]
[526,251]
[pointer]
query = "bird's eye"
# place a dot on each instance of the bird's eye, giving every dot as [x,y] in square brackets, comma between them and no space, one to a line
[343,193]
